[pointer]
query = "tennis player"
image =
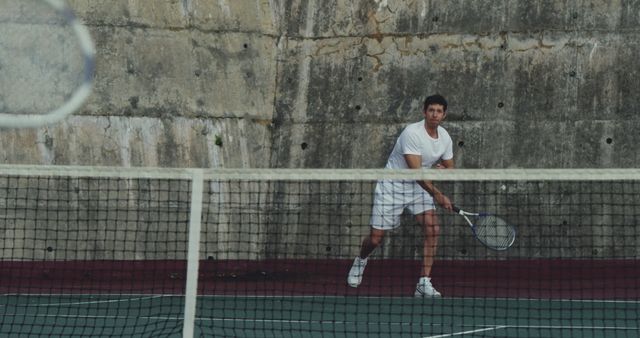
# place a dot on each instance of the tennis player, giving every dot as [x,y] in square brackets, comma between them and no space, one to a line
[423,144]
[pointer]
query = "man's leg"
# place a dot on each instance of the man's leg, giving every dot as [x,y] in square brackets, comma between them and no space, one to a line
[369,244]
[431,227]
[429,222]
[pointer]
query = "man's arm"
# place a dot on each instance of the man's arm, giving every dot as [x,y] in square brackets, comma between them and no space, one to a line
[415,162]
[445,164]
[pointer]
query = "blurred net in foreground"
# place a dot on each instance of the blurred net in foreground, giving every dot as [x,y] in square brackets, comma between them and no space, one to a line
[106,251]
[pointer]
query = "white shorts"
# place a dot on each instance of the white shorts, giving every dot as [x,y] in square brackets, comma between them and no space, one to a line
[392,197]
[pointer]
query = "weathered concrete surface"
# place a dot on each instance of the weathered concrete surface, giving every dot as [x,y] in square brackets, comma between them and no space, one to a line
[331,83]
[526,79]
[142,141]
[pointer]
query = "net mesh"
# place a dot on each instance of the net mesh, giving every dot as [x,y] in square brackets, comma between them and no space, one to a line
[104,252]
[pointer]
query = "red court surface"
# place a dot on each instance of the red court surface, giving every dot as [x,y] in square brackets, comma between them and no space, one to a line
[531,279]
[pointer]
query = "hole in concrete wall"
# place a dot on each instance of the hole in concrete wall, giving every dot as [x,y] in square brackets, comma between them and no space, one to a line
[304,145]
[197,73]
[575,15]
[435,18]
[245,45]
[133,101]
[609,140]
[565,222]
[500,104]
[572,73]
[359,78]
[461,144]
[327,249]
[130,68]
[49,249]
[48,141]
[358,107]
[218,141]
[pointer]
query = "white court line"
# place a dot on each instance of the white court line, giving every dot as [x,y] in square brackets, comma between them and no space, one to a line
[289,321]
[91,316]
[552,327]
[180,318]
[575,327]
[99,301]
[467,332]
[605,301]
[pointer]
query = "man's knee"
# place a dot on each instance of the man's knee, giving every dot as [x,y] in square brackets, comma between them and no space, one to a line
[429,223]
[376,237]
[432,230]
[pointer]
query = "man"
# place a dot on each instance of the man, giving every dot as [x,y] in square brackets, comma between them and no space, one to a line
[424,144]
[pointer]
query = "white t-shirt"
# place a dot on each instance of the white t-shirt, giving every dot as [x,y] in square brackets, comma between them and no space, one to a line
[392,196]
[414,140]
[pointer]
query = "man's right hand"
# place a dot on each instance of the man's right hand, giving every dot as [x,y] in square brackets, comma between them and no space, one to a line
[444,201]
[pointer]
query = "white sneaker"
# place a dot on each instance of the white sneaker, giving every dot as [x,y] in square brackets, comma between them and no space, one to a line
[424,289]
[357,270]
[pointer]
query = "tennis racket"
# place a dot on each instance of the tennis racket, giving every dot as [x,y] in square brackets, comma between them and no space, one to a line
[46,62]
[492,231]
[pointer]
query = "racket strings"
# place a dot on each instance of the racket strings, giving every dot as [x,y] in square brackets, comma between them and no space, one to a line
[47,60]
[494,232]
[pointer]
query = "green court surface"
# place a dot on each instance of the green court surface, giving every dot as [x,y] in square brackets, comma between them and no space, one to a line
[315,316]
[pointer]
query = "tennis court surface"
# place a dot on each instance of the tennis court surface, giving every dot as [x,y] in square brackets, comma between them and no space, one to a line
[217,253]
[319,316]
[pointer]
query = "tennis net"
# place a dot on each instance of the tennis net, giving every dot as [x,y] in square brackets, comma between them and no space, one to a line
[95,251]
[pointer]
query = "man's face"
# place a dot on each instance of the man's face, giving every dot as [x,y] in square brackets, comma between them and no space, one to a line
[434,114]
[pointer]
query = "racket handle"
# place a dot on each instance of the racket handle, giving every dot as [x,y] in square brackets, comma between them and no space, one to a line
[456,209]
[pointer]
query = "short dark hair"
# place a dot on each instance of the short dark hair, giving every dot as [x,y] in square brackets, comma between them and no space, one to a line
[435,99]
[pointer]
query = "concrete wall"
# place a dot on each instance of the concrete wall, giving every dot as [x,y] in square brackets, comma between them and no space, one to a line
[309,83]
[331,83]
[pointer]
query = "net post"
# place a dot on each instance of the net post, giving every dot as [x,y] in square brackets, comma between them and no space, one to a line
[193,254]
